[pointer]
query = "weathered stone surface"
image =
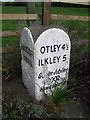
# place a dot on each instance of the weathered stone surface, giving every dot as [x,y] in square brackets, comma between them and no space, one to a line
[26,45]
[45,62]
[51,60]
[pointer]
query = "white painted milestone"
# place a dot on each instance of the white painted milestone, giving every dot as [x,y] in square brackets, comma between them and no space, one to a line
[45,63]
[27,62]
[51,60]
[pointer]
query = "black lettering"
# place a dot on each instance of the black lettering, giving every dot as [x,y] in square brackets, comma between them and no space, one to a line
[66,46]
[50,73]
[64,58]
[42,49]
[55,48]
[58,46]
[63,47]
[40,76]
[46,61]
[58,77]
[48,87]
[59,71]
[47,48]
[42,62]
[51,79]
[51,48]
[42,89]
[55,78]
[51,61]
[55,72]
[26,49]
[28,61]
[54,59]
[58,58]
[39,62]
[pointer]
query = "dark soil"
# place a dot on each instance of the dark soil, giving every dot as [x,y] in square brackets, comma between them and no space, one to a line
[14,88]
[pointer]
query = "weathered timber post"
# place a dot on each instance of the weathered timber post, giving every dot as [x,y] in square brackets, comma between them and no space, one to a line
[30,10]
[46,10]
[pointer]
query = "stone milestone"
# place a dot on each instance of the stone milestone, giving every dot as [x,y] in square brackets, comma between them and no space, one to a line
[45,63]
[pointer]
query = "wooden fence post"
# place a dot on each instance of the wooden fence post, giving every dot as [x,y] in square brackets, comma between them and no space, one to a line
[46,13]
[30,10]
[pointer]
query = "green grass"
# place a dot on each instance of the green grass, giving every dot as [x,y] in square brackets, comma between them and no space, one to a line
[10,41]
[67,11]
[70,24]
[54,10]
[9,25]
[70,11]
[13,10]
[14,25]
